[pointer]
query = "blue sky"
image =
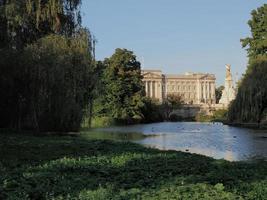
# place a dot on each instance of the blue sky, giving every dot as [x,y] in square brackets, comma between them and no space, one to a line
[176,36]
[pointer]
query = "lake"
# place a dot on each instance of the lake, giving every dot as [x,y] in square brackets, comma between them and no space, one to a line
[211,139]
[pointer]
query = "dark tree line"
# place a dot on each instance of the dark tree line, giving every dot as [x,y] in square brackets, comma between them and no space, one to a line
[250,104]
[46,65]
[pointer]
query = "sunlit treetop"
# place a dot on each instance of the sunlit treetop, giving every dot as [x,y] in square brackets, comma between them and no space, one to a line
[25,21]
[257,43]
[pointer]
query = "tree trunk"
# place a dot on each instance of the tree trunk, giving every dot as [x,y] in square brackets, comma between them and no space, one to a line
[90,112]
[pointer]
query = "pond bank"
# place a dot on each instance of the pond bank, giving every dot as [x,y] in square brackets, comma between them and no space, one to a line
[262,126]
[65,167]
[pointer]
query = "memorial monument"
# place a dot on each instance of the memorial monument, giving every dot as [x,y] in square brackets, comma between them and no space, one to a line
[229,93]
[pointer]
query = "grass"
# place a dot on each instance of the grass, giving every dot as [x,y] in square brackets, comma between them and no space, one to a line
[98,122]
[69,167]
[217,116]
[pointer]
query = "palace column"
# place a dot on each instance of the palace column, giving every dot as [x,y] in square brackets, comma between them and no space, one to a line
[205,91]
[202,91]
[211,92]
[208,84]
[157,89]
[154,89]
[146,87]
[160,92]
[198,88]
[151,89]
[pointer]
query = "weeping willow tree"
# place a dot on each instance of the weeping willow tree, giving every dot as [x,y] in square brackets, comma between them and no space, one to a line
[46,65]
[47,86]
[250,104]
[58,74]
[25,21]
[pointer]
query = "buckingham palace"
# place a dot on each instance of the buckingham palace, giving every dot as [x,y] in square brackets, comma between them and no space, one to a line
[194,88]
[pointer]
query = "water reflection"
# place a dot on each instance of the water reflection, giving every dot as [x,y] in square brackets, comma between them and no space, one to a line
[211,139]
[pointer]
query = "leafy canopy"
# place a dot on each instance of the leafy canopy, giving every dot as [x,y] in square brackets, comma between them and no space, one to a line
[123,86]
[25,21]
[257,43]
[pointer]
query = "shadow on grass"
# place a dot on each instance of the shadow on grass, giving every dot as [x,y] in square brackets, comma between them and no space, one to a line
[48,167]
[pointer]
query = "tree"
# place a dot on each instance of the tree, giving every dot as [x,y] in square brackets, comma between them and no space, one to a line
[50,85]
[124,89]
[218,93]
[95,101]
[152,111]
[25,21]
[59,72]
[257,43]
[171,103]
[10,88]
[250,104]
[47,69]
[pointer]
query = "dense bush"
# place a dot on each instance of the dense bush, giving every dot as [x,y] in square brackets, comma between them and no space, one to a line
[102,122]
[152,111]
[217,116]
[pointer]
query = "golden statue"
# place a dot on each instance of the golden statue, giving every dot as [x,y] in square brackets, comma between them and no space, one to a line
[228,72]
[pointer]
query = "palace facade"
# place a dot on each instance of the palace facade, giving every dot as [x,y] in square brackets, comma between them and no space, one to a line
[194,88]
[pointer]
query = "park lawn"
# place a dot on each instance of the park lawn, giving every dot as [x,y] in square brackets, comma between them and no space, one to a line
[75,167]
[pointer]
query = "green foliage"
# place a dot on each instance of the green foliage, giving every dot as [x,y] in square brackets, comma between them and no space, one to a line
[152,111]
[257,43]
[25,21]
[155,111]
[51,87]
[171,103]
[61,70]
[201,117]
[123,88]
[80,168]
[46,67]
[217,116]
[175,101]
[220,115]
[250,104]
[103,122]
